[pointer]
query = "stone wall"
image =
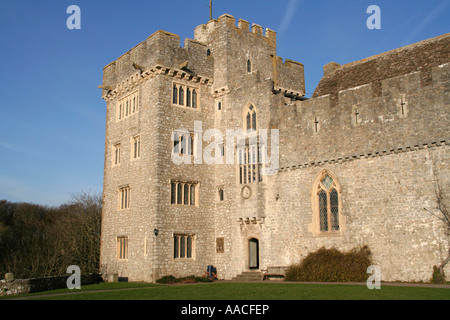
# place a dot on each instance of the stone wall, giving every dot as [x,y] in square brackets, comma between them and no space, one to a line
[23,286]
[314,130]
[383,201]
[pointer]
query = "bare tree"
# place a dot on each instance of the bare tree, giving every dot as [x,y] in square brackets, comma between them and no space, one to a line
[37,241]
[83,227]
[441,212]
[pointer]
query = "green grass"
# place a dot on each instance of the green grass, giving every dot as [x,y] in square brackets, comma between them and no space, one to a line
[241,291]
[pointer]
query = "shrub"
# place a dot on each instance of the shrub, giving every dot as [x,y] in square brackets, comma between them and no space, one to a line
[331,265]
[189,279]
[193,279]
[203,279]
[167,280]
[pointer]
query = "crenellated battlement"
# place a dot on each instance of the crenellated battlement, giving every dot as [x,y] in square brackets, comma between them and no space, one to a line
[220,51]
[161,48]
[226,23]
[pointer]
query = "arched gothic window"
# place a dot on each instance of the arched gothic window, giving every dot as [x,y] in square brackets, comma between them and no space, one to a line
[249,154]
[327,203]
[250,118]
[249,66]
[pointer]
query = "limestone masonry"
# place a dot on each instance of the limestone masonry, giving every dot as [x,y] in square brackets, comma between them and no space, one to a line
[354,165]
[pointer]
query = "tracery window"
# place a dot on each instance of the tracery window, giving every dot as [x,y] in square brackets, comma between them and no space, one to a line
[249,152]
[250,166]
[250,118]
[327,193]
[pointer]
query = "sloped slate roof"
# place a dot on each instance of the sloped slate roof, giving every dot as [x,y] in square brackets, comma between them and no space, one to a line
[420,56]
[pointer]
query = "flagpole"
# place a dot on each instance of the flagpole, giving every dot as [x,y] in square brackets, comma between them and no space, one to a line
[210,9]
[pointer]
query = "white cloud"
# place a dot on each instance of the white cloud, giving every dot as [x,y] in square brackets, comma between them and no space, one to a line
[429,17]
[288,15]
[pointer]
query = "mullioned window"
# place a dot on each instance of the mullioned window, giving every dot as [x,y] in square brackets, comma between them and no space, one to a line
[327,204]
[184,96]
[183,193]
[128,105]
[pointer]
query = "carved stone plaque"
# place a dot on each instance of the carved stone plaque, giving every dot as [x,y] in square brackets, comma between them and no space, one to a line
[246,192]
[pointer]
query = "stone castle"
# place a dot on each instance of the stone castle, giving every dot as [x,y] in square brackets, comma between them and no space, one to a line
[354,165]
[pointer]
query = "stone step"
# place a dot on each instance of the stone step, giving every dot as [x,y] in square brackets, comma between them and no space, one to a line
[249,276]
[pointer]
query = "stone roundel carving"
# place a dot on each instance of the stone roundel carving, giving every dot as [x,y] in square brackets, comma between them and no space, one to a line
[246,192]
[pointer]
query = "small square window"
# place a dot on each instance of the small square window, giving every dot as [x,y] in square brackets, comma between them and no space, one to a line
[220,243]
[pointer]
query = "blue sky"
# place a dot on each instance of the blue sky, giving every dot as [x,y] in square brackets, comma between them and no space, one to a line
[52,117]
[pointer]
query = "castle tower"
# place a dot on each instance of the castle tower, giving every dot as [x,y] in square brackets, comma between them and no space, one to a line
[163,203]
[250,83]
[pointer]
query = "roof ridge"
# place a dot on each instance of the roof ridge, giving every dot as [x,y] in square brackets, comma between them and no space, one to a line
[407,47]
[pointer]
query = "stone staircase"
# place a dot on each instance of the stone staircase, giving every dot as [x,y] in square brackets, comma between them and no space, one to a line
[249,276]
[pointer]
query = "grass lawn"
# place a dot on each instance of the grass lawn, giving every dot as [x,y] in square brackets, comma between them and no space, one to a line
[241,291]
